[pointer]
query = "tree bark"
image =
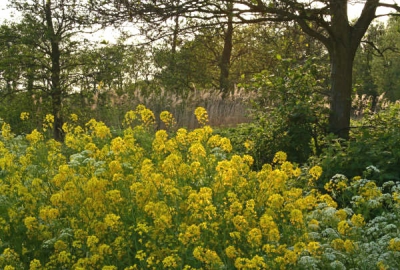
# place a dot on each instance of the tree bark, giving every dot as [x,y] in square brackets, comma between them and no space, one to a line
[342,45]
[225,62]
[342,41]
[342,59]
[55,91]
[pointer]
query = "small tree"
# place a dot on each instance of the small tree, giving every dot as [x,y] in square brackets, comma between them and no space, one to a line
[50,27]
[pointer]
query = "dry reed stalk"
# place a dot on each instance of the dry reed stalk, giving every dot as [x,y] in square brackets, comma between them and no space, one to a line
[223,112]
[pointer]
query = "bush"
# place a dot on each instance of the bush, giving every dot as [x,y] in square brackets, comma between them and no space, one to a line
[289,112]
[375,141]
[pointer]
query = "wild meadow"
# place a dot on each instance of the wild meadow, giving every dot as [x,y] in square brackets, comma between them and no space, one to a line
[182,199]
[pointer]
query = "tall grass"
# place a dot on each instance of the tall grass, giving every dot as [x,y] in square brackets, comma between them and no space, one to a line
[223,112]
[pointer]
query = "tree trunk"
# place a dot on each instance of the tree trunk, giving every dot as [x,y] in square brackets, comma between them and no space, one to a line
[342,42]
[342,46]
[56,91]
[225,62]
[58,133]
[342,58]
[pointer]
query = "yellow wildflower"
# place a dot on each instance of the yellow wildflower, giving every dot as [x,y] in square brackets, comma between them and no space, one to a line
[167,118]
[290,257]
[349,246]
[35,265]
[191,235]
[226,145]
[31,223]
[24,116]
[269,228]
[60,245]
[201,115]
[296,217]
[115,167]
[64,257]
[49,119]
[249,145]
[370,191]
[49,213]
[280,157]
[357,220]
[313,224]
[313,247]
[34,137]
[118,146]
[73,117]
[169,262]
[114,196]
[146,115]
[254,237]
[208,257]
[275,201]
[109,267]
[104,249]
[6,131]
[240,223]
[181,136]
[328,200]
[344,227]
[315,173]
[99,129]
[159,141]
[112,221]
[231,252]
[197,151]
[299,247]
[341,214]
[92,241]
[394,244]
[129,117]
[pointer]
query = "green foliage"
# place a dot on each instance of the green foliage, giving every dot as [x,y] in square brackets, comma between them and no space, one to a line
[375,142]
[180,71]
[376,66]
[289,113]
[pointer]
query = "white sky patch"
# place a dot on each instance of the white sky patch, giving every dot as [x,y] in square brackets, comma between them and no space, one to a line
[355,8]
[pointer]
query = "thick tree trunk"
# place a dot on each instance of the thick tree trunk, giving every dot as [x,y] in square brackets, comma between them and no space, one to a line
[342,58]
[342,41]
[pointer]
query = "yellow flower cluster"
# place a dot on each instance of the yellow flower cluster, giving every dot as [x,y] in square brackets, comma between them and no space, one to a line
[6,131]
[24,116]
[168,119]
[48,122]
[183,201]
[201,115]
[141,115]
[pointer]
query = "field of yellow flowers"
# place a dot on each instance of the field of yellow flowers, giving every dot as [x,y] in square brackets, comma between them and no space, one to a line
[180,200]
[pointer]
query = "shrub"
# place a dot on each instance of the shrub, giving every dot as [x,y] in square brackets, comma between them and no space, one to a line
[375,141]
[289,112]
